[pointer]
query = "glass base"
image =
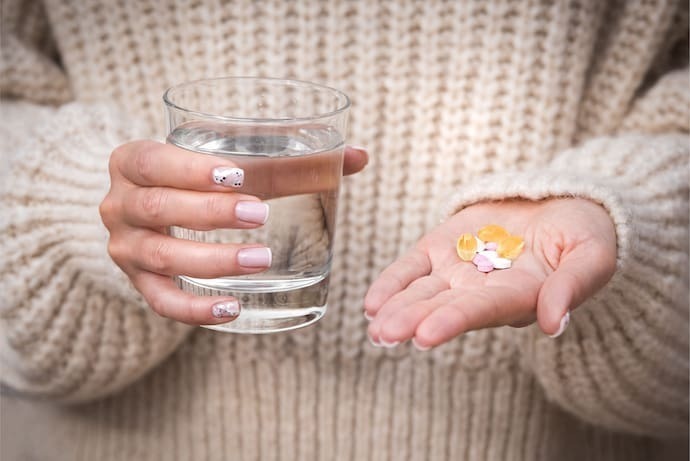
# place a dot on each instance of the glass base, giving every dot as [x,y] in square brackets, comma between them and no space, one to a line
[268,309]
[271,320]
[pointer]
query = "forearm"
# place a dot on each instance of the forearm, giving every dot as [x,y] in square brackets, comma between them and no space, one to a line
[623,363]
[72,327]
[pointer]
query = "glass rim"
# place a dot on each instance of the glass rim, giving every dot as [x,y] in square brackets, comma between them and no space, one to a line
[272,80]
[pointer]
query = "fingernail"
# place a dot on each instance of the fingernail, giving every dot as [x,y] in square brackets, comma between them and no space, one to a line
[373,343]
[564,324]
[253,212]
[228,177]
[359,148]
[389,345]
[254,257]
[367,316]
[226,309]
[418,346]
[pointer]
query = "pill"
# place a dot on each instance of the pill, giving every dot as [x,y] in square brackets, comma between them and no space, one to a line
[481,260]
[502,263]
[466,247]
[491,246]
[481,246]
[510,247]
[488,254]
[484,268]
[493,233]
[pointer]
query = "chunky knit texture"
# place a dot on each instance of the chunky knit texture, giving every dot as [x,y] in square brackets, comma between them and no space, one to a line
[458,102]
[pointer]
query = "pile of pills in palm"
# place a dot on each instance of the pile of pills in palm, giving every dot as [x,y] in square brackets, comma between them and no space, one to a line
[492,248]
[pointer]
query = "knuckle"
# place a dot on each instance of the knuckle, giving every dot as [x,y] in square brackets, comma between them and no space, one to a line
[117,251]
[106,209]
[117,156]
[157,305]
[161,258]
[121,154]
[216,206]
[145,156]
[220,260]
[152,202]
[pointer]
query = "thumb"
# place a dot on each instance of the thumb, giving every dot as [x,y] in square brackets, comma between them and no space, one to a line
[355,159]
[581,272]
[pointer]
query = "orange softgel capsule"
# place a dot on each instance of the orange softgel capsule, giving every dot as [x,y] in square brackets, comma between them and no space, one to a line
[493,233]
[510,247]
[466,247]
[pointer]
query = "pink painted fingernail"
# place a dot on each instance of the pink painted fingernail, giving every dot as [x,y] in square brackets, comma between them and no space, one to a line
[226,309]
[253,212]
[229,177]
[564,324]
[254,257]
[418,346]
[373,343]
[389,345]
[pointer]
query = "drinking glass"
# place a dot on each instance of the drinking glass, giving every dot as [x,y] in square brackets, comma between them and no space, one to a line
[288,137]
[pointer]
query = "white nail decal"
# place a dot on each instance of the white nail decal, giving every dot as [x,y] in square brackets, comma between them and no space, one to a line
[230,177]
[225,309]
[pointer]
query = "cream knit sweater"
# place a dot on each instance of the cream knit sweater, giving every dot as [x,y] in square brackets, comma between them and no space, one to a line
[457,102]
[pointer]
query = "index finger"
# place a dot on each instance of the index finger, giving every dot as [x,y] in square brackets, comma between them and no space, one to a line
[395,278]
[150,163]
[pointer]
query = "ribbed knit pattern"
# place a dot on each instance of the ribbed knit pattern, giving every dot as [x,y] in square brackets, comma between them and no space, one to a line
[457,102]
[72,326]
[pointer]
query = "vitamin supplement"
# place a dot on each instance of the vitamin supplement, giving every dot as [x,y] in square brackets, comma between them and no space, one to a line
[466,247]
[493,233]
[492,248]
[481,246]
[510,247]
[488,254]
[481,260]
[502,263]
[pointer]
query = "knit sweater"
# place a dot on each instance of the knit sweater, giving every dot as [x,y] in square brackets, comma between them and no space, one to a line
[457,102]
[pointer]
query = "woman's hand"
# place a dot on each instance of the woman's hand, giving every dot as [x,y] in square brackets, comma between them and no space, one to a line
[430,295]
[156,185]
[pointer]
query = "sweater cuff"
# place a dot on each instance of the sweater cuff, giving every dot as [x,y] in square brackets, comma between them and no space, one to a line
[623,361]
[546,183]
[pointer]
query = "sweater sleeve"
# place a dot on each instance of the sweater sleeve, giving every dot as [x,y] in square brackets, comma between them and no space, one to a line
[623,362]
[71,326]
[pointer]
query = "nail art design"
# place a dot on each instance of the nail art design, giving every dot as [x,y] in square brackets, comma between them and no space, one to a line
[226,309]
[564,324]
[230,177]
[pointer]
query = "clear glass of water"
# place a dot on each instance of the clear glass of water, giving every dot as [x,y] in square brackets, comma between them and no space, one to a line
[288,137]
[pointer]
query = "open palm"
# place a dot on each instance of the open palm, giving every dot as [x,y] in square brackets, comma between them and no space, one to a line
[431,295]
